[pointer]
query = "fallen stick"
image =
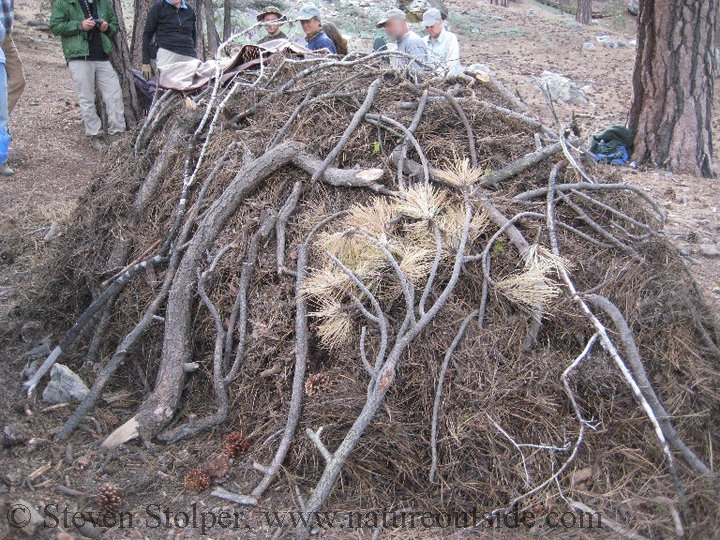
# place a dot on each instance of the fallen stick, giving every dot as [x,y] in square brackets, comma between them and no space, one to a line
[521,165]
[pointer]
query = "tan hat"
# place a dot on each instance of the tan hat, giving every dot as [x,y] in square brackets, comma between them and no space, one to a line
[267,11]
[393,13]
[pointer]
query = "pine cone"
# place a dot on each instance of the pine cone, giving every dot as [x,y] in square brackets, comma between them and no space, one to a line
[197,480]
[236,444]
[217,467]
[319,382]
[15,434]
[109,497]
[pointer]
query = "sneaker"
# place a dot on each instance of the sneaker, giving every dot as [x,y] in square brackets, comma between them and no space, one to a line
[5,170]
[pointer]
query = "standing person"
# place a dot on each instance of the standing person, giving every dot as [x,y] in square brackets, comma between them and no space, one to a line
[309,17]
[5,169]
[13,65]
[333,32]
[394,22]
[442,45]
[86,28]
[272,20]
[172,24]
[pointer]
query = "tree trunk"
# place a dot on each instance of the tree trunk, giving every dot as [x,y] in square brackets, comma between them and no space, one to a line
[121,61]
[200,46]
[673,83]
[502,3]
[583,15]
[213,38]
[227,19]
[141,10]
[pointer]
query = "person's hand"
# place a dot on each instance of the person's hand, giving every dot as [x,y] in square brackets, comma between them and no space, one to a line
[104,26]
[88,24]
[146,70]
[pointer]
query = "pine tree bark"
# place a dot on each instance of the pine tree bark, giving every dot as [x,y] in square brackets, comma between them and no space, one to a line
[141,10]
[502,3]
[213,38]
[227,19]
[673,85]
[583,15]
[122,62]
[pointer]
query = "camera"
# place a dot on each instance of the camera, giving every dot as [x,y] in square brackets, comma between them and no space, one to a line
[98,22]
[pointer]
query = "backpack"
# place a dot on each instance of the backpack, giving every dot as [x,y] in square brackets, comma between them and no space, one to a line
[145,89]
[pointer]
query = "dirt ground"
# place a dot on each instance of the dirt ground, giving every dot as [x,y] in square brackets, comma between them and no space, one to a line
[54,165]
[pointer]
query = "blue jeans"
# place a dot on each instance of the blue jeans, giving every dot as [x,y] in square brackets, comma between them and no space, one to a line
[4,115]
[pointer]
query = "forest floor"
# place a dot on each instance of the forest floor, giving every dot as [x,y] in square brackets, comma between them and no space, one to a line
[54,165]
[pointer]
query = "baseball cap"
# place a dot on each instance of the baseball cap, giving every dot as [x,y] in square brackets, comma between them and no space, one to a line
[431,16]
[267,11]
[308,12]
[394,13]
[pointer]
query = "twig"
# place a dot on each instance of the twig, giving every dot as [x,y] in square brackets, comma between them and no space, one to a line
[438,392]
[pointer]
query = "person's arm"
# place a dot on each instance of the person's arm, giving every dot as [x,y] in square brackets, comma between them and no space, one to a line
[453,58]
[113,26]
[61,22]
[149,32]
[330,45]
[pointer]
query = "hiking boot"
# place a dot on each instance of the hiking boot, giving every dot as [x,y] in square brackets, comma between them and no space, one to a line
[5,170]
[98,142]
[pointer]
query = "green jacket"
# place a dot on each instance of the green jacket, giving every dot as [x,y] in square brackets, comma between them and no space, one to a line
[65,22]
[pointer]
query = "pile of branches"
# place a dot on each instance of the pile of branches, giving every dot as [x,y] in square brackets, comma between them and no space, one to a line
[404,290]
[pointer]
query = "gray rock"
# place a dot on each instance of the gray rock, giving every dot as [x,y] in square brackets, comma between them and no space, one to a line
[709,250]
[477,68]
[532,13]
[65,385]
[24,516]
[587,46]
[475,30]
[572,24]
[416,8]
[634,7]
[608,41]
[562,88]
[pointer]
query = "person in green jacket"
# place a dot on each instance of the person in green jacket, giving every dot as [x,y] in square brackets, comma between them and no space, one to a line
[86,28]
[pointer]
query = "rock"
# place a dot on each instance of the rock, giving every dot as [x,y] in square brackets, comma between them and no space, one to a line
[608,41]
[24,516]
[15,434]
[572,24]
[416,8]
[634,7]
[588,89]
[475,30]
[587,46]
[709,250]
[474,69]
[562,88]
[65,385]
[532,13]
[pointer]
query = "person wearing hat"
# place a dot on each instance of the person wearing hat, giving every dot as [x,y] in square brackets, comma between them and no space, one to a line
[272,19]
[309,17]
[442,45]
[395,25]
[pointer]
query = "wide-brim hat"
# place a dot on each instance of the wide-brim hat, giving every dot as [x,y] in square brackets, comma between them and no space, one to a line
[268,10]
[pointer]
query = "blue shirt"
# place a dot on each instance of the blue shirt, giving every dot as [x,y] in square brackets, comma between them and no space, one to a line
[7,14]
[322,41]
[183,5]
